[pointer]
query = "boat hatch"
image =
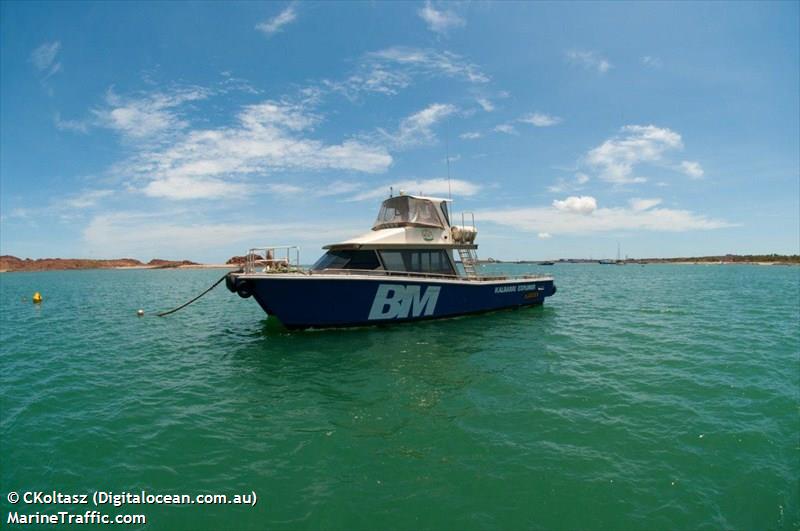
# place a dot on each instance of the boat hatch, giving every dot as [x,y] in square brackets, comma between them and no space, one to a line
[405,211]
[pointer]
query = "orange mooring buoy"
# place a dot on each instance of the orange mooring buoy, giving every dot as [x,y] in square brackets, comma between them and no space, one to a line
[37,298]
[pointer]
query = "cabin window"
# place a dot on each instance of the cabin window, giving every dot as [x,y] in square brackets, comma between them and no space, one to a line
[445,213]
[366,260]
[435,261]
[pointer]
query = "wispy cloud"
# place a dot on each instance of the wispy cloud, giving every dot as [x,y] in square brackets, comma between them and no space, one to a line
[284,189]
[391,70]
[373,78]
[692,169]
[582,215]
[76,126]
[470,135]
[567,185]
[435,187]
[505,128]
[426,60]
[617,157]
[485,104]
[276,24]
[315,190]
[590,60]
[652,62]
[44,58]
[643,204]
[540,119]
[87,198]
[440,21]
[177,235]
[418,128]
[148,116]
[267,137]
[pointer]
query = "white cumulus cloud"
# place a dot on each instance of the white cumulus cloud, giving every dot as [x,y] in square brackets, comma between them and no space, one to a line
[268,137]
[617,157]
[584,204]
[692,169]
[563,219]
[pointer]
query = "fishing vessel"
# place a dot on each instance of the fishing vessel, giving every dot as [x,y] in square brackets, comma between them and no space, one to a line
[402,270]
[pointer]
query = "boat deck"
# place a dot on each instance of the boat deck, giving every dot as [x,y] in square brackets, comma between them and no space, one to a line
[372,273]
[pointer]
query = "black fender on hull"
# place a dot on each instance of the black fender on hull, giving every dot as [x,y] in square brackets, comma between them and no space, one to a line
[239,286]
[230,282]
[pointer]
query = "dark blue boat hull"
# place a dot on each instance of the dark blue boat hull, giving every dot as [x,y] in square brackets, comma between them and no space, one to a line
[300,301]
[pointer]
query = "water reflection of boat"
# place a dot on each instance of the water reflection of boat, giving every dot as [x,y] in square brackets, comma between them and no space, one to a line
[402,270]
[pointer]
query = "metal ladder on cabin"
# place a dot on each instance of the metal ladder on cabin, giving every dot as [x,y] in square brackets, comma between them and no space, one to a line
[469,259]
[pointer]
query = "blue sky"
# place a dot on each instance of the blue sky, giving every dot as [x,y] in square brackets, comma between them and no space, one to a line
[197,130]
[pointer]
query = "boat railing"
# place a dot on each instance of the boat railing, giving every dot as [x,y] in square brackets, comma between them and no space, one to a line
[472,220]
[443,276]
[275,258]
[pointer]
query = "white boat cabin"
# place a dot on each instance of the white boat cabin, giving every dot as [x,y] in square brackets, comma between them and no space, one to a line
[412,234]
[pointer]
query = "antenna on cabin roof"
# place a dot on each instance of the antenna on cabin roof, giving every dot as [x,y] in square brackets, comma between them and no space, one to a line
[391,191]
[447,155]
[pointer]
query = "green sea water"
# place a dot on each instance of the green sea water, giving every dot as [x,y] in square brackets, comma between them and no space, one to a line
[656,397]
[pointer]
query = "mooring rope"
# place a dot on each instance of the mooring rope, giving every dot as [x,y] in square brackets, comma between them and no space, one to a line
[214,285]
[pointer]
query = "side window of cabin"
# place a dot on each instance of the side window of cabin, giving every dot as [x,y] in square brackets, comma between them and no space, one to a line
[439,263]
[331,260]
[418,261]
[363,260]
[393,261]
[347,260]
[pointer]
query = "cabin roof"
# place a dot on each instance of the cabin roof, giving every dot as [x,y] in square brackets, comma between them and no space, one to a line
[429,198]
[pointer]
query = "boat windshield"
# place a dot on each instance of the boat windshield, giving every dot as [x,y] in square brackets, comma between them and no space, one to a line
[402,211]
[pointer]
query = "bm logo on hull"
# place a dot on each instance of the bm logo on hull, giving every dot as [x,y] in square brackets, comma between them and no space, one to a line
[393,301]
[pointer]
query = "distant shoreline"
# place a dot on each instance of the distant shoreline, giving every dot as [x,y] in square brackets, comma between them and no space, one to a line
[730,259]
[12,264]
